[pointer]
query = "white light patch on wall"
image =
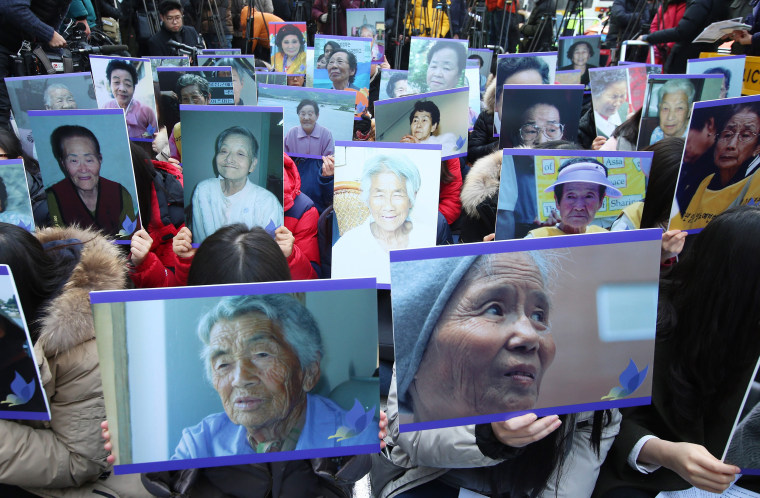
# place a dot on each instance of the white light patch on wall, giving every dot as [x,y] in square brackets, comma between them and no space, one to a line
[626,312]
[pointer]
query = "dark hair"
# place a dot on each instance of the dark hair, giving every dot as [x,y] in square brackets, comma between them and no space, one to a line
[166,5]
[576,45]
[3,196]
[70,131]
[144,173]
[10,143]
[236,254]
[351,61]
[708,318]
[509,66]
[306,102]
[114,64]
[426,106]
[288,30]
[752,107]
[390,88]
[332,44]
[721,70]
[458,48]
[663,176]
[168,111]
[629,129]
[234,130]
[476,57]
[37,275]
[701,117]
[189,79]
[559,189]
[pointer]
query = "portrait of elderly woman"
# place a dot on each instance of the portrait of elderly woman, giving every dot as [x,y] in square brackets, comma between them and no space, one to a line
[121,77]
[674,100]
[735,180]
[231,197]
[580,54]
[58,97]
[472,334]
[341,69]
[518,71]
[578,193]
[290,54]
[609,97]
[446,62]
[539,114]
[309,137]
[84,197]
[262,355]
[389,187]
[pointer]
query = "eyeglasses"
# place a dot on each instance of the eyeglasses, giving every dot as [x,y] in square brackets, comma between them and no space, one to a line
[552,131]
[743,136]
[173,18]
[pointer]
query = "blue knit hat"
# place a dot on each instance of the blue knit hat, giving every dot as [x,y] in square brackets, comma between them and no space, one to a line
[420,291]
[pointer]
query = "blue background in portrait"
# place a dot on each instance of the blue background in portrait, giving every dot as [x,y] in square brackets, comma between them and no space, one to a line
[14,178]
[360,47]
[28,93]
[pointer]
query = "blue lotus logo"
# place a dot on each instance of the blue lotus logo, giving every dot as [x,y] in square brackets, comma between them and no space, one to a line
[630,380]
[354,422]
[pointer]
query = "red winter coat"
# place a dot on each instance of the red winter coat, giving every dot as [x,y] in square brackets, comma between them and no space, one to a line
[670,19]
[301,219]
[449,203]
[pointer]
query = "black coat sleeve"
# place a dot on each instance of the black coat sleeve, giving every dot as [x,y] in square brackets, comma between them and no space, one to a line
[694,20]
[482,142]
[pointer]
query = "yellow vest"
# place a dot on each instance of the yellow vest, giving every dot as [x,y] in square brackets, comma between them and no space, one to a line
[707,204]
[552,231]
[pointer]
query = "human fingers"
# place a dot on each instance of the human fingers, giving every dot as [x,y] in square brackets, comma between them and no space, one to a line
[489,237]
[521,431]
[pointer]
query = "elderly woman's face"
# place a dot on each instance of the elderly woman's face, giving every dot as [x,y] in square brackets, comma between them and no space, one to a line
[339,70]
[122,86]
[492,344]
[389,202]
[443,71]
[674,114]
[579,203]
[541,123]
[730,151]
[61,99]
[82,162]
[291,45]
[255,371]
[235,160]
[308,118]
[581,55]
[191,94]
[609,101]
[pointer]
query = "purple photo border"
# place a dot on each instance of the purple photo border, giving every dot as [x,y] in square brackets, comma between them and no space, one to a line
[681,76]
[109,57]
[541,412]
[387,145]
[423,95]
[10,162]
[77,112]
[166,57]
[339,38]
[307,156]
[750,472]
[543,87]
[228,108]
[520,245]
[228,56]
[224,290]
[484,50]
[580,37]
[527,54]
[296,89]
[4,270]
[192,69]
[193,463]
[723,58]
[579,153]
[49,76]
[724,102]
[377,10]
[9,415]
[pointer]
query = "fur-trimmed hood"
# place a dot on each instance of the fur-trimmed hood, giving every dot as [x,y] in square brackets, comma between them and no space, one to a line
[489,96]
[482,181]
[67,318]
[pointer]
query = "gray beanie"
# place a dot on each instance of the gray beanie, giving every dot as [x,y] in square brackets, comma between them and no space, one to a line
[420,291]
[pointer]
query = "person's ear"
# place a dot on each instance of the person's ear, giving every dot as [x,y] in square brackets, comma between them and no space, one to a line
[311,376]
[711,126]
[433,128]
[254,163]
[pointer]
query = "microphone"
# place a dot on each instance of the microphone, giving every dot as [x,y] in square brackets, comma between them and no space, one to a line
[105,49]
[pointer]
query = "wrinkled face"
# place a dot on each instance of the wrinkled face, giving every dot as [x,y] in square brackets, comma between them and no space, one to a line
[237,85]
[60,99]
[579,204]
[255,371]
[422,125]
[82,162]
[581,55]
[731,153]
[492,344]
[122,86]
[366,33]
[674,114]
[545,120]
[443,71]
[291,45]
[610,100]
[339,70]
[389,203]
[235,160]
[192,95]
[173,20]
[401,88]
[308,117]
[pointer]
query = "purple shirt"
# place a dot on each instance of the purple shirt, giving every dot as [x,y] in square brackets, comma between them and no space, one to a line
[319,143]
[139,118]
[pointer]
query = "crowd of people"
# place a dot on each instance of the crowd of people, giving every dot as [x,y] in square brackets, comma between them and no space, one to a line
[708,318]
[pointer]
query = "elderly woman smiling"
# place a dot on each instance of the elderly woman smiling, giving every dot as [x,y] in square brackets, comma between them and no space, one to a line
[122,79]
[232,197]
[291,50]
[84,197]
[473,334]
[675,99]
[309,138]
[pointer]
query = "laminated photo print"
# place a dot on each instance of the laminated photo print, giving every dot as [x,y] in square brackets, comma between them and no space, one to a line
[15,201]
[395,83]
[720,161]
[127,83]
[472,77]
[220,51]
[742,449]
[386,198]
[730,67]
[167,61]
[198,85]
[232,374]
[429,118]
[47,92]
[464,356]
[309,67]
[668,102]
[349,70]
[437,64]
[484,57]
[22,396]
[272,78]
[288,43]
[637,81]
[368,23]
[610,98]
[233,167]
[243,76]
[522,69]
[86,169]
[572,77]
[531,201]
[533,114]
[314,118]
[579,52]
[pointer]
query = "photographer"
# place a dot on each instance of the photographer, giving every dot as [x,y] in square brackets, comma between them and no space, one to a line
[172,28]
[37,21]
